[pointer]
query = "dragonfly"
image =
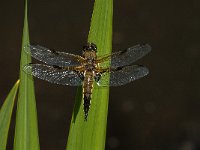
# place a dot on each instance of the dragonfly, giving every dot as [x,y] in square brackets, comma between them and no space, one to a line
[75,70]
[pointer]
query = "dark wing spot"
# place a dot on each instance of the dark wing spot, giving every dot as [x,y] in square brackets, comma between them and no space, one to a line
[57,67]
[142,44]
[119,68]
[141,65]
[122,52]
[54,52]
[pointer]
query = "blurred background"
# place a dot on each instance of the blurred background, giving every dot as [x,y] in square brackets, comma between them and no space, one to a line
[158,112]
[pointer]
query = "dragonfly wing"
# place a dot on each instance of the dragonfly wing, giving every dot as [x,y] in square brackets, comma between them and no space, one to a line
[130,55]
[53,74]
[53,57]
[122,75]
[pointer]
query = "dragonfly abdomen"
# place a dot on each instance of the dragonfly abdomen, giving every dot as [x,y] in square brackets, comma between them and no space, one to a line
[87,92]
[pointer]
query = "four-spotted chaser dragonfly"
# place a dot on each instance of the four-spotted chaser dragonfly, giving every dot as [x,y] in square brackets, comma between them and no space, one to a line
[74,70]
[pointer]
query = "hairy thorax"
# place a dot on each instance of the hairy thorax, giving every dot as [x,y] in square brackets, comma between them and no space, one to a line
[90,58]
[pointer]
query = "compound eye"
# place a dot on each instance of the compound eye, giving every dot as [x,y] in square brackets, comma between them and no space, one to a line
[87,47]
[90,47]
[94,47]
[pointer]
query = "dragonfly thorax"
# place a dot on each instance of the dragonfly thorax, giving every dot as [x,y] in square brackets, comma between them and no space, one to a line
[89,55]
[90,67]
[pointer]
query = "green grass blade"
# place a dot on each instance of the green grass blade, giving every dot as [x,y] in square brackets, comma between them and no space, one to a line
[91,135]
[26,130]
[5,115]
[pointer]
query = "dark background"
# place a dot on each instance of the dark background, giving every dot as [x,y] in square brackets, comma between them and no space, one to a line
[158,112]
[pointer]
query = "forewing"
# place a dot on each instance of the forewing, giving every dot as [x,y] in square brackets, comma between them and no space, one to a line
[53,57]
[126,57]
[53,75]
[122,76]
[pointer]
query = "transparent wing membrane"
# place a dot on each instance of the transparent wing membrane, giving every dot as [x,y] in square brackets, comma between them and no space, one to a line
[53,57]
[126,57]
[123,75]
[62,68]
[53,75]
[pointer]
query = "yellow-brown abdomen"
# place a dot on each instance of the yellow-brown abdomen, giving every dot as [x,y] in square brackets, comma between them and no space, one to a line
[87,91]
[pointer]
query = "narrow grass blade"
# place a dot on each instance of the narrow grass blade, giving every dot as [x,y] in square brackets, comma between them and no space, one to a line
[91,134]
[5,115]
[26,130]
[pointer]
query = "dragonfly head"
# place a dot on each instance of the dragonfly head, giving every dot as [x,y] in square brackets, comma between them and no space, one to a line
[89,52]
[90,47]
